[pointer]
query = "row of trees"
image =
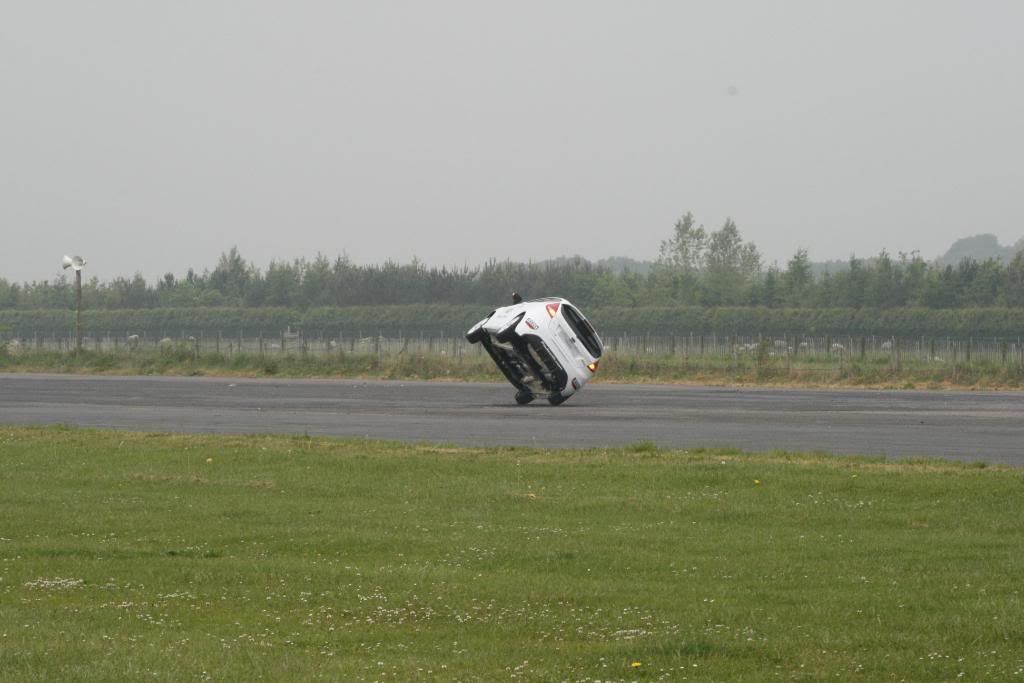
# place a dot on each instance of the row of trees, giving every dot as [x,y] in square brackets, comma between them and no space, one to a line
[696,267]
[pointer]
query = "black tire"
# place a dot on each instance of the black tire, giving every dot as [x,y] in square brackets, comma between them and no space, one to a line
[557,399]
[524,397]
[477,335]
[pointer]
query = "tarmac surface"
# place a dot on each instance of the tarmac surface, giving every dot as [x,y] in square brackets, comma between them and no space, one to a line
[969,426]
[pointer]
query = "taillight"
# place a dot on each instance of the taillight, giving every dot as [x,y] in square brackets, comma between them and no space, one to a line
[593,366]
[552,309]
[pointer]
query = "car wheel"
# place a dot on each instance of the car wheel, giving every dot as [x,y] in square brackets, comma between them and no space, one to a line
[557,399]
[524,397]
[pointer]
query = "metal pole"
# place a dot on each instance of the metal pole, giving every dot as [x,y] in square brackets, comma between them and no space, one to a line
[78,311]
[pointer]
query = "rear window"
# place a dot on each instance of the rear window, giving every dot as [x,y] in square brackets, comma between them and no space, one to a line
[583,329]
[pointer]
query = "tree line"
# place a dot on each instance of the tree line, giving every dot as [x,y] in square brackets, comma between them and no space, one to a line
[695,267]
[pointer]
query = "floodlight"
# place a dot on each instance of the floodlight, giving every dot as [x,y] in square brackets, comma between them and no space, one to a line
[75,262]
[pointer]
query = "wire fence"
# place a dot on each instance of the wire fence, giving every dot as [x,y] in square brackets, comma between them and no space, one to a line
[286,343]
[836,349]
[739,350]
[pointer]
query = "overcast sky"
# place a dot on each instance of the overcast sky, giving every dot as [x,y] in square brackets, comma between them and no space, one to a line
[152,136]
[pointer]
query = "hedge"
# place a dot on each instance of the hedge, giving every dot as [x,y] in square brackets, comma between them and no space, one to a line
[451,320]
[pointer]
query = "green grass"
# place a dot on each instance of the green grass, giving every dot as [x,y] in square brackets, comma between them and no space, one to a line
[157,557]
[814,371]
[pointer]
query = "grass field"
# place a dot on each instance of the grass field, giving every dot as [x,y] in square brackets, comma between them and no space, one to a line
[811,370]
[157,557]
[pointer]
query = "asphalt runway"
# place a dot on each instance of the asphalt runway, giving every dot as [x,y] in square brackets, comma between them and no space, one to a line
[970,426]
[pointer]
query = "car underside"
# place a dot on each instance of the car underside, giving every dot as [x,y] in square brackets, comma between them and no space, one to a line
[528,364]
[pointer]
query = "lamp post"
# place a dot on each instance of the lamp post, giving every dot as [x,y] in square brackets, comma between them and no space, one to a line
[76,262]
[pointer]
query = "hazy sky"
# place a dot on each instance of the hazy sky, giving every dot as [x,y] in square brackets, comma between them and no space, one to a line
[152,136]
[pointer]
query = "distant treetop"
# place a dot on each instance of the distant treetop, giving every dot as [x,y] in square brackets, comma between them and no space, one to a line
[980,248]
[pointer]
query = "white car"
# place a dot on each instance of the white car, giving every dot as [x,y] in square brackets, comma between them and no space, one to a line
[545,347]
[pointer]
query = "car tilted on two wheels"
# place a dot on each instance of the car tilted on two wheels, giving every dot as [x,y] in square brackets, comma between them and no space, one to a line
[545,347]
